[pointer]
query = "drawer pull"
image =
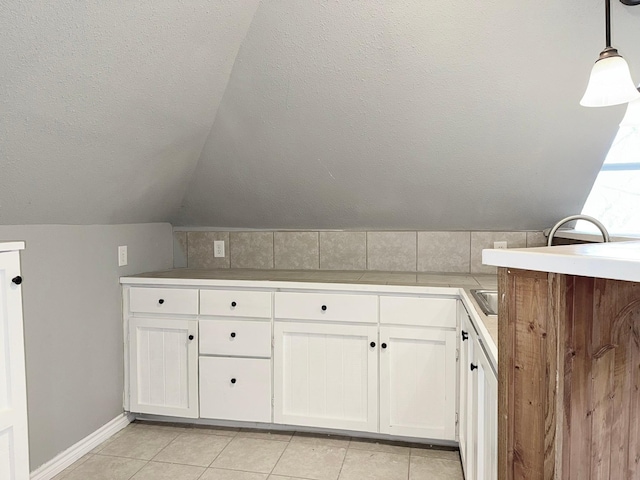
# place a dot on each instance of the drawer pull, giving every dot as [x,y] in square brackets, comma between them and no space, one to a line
[161,301]
[190,337]
[465,336]
[233,304]
[384,345]
[324,308]
[473,367]
[233,334]
[372,344]
[17,280]
[233,380]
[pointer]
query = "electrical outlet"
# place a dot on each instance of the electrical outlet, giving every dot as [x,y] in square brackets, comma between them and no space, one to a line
[218,248]
[122,255]
[500,245]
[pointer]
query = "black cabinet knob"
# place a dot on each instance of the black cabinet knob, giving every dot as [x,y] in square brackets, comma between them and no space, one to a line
[384,345]
[473,367]
[233,304]
[465,336]
[324,308]
[17,280]
[233,380]
[161,301]
[372,344]
[190,337]
[233,334]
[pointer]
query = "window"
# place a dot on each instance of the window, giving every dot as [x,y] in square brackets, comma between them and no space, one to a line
[615,195]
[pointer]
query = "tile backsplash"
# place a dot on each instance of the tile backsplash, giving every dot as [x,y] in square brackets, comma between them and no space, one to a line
[399,251]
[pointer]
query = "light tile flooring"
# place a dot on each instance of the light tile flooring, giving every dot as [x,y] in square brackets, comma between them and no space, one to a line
[145,451]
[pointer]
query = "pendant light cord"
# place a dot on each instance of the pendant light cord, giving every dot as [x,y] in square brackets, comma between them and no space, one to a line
[607,21]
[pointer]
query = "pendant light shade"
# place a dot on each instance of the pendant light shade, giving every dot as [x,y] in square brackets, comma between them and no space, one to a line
[610,82]
[632,117]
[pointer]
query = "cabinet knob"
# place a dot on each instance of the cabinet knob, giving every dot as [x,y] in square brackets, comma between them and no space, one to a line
[161,301]
[465,335]
[384,345]
[233,334]
[190,337]
[372,344]
[324,308]
[17,280]
[473,367]
[233,380]
[233,304]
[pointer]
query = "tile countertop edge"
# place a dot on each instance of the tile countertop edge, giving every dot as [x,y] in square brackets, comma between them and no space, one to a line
[487,325]
[616,261]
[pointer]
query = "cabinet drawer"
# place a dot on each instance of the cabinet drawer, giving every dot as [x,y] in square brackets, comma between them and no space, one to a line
[235,303]
[327,307]
[421,311]
[235,337]
[235,389]
[164,300]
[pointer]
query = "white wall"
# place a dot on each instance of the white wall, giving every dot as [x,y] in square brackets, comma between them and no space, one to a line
[73,324]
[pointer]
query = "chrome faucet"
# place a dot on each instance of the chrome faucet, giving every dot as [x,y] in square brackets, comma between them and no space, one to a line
[554,229]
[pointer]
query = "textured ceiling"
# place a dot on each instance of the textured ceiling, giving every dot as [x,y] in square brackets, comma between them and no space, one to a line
[105,105]
[353,114]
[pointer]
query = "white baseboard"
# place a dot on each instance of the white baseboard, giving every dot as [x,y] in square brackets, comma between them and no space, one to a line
[84,446]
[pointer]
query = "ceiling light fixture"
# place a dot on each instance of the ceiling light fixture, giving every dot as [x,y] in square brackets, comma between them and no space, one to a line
[610,82]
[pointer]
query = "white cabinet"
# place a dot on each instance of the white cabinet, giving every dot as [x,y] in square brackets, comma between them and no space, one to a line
[486,409]
[326,375]
[14,447]
[418,382]
[478,433]
[163,359]
[235,355]
[235,389]
[466,425]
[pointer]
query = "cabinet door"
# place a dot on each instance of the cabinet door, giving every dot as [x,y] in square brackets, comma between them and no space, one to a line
[164,366]
[418,380]
[14,449]
[325,375]
[487,418]
[466,425]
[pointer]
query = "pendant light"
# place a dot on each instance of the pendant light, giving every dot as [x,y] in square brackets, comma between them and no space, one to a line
[610,82]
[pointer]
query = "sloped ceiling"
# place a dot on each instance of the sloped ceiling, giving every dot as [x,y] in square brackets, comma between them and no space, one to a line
[105,105]
[316,114]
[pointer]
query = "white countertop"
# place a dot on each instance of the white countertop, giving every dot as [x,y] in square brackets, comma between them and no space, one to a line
[11,246]
[616,261]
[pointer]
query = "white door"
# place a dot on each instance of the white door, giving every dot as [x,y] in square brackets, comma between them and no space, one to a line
[418,381]
[325,375]
[487,420]
[14,447]
[465,426]
[164,366]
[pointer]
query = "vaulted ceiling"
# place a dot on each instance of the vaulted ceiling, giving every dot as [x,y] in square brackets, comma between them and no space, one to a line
[317,114]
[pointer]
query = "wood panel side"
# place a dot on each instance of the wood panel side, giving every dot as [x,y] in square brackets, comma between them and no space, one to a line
[524,371]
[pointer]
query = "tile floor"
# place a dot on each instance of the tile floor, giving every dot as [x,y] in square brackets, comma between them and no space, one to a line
[144,451]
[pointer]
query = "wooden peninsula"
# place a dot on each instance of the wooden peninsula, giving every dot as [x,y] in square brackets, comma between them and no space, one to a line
[569,362]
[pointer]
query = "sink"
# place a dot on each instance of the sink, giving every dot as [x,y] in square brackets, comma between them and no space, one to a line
[488,300]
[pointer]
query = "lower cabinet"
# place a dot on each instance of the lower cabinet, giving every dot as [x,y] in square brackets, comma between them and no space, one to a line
[163,361]
[326,375]
[235,389]
[478,408]
[418,382]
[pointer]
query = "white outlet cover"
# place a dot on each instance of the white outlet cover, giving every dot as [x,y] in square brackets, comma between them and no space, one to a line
[500,245]
[122,256]
[218,248]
